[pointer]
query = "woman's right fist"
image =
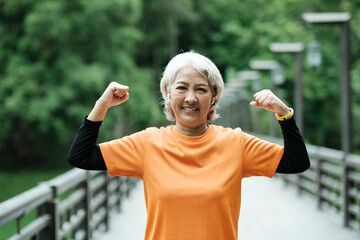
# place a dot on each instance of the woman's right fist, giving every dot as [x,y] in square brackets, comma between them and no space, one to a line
[114,94]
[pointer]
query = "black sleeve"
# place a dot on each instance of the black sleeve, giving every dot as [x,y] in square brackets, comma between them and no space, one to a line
[295,158]
[84,152]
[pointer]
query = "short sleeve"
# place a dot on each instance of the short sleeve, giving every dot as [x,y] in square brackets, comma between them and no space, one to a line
[260,158]
[125,156]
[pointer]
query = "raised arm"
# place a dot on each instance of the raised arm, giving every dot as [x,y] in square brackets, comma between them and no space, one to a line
[295,158]
[113,95]
[84,152]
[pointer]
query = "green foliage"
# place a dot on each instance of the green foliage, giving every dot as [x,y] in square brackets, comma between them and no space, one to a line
[232,33]
[57,57]
[60,56]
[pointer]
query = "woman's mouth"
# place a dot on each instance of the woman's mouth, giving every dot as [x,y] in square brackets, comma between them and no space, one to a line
[190,110]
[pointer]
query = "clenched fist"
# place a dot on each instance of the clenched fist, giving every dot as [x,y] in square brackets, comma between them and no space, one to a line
[113,95]
[267,100]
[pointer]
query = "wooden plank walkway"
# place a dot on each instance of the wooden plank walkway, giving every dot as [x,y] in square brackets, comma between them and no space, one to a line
[269,210]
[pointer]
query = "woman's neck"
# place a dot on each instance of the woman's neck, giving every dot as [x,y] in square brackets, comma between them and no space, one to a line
[192,131]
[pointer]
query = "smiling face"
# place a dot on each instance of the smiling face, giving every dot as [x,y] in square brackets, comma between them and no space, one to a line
[190,99]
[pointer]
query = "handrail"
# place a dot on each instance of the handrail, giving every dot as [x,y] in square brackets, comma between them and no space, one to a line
[353,160]
[333,179]
[77,202]
[67,180]
[23,203]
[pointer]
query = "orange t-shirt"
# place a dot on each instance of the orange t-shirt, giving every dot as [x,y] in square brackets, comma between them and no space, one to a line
[192,185]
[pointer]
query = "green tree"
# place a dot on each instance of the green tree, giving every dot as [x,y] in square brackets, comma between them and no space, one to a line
[59,56]
[232,33]
[56,58]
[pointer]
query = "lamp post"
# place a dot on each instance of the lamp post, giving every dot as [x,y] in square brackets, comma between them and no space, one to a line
[230,99]
[265,65]
[276,77]
[254,77]
[342,20]
[297,49]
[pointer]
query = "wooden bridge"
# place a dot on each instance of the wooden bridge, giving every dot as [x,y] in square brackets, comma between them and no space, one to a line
[78,204]
[81,204]
[74,205]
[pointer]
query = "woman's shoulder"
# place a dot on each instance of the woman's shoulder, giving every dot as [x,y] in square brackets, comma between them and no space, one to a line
[226,133]
[226,130]
[154,131]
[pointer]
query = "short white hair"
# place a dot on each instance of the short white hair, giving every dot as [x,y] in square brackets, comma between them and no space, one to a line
[202,64]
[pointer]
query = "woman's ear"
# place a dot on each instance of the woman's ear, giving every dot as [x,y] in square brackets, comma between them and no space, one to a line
[167,93]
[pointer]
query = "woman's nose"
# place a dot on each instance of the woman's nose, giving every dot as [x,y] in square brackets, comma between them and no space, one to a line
[190,97]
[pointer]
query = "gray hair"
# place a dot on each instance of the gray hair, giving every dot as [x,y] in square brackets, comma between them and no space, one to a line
[202,64]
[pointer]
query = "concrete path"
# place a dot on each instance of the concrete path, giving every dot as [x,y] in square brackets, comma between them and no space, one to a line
[269,210]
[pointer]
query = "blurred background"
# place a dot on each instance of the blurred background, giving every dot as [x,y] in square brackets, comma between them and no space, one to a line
[57,57]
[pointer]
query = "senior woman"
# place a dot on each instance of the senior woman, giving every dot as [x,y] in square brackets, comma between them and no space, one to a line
[192,170]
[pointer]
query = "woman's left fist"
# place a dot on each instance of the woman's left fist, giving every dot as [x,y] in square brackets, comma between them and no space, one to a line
[267,100]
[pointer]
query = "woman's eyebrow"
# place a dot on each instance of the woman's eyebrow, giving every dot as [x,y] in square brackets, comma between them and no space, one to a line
[202,84]
[186,83]
[182,82]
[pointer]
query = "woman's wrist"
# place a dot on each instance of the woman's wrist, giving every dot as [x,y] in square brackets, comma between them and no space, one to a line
[98,113]
[285,115]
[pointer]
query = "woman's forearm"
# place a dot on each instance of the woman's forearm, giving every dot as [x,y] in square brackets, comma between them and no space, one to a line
[295,158]
[84,153]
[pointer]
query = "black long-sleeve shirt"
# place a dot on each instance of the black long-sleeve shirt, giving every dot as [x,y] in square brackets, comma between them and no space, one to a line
[86,154]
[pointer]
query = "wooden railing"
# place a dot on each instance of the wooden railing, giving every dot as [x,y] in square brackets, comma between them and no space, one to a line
[333,181]
[74,205]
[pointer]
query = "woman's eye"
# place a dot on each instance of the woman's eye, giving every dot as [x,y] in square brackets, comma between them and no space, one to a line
[202,89]
[181,88]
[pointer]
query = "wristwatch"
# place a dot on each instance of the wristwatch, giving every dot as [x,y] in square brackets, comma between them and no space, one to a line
[286,117]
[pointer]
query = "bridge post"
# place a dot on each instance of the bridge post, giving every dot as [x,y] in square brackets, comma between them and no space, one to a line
[345,192]
[107,207]
[51,208]
[318,181]
[119,194]
[87,207]
[123,189]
